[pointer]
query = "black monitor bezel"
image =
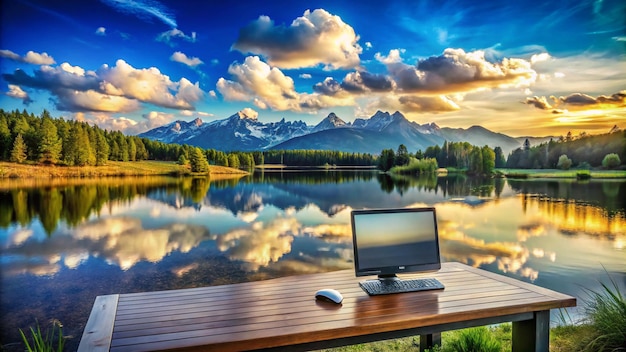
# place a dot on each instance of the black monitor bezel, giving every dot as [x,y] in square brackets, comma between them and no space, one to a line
[390,271]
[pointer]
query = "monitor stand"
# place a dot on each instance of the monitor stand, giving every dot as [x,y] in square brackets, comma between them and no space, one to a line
[388,277]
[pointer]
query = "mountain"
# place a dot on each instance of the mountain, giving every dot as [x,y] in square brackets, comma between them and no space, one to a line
[331,121]
[381,131]
[384,131]
[237,132]
[480,136]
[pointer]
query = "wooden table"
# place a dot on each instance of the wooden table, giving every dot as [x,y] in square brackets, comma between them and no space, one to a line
[283,314]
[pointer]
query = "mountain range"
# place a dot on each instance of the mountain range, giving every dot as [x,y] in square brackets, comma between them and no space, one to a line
[241,132]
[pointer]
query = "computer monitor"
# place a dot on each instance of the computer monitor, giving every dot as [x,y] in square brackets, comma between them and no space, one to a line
[392,241]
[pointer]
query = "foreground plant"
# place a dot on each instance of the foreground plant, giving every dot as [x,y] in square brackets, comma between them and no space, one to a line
[606,313]
[45,341]
[479,339]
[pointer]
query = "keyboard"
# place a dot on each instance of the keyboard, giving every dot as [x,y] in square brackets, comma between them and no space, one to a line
[385,287]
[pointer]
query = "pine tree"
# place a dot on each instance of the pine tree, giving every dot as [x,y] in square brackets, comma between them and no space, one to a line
[102,148]
[19,151]
[49,143]
[198,161]
[5,138]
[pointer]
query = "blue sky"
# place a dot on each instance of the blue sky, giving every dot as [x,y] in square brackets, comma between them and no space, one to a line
[520,68]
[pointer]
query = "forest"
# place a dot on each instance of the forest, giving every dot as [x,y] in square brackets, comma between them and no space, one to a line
[584,152]
[27,138]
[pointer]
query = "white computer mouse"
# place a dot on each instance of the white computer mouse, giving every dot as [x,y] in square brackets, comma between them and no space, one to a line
[329,295]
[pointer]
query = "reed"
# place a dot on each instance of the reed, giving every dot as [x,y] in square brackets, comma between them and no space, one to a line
[45,341]
[606,314]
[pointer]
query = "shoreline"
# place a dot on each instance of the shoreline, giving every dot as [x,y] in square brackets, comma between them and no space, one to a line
[14,175]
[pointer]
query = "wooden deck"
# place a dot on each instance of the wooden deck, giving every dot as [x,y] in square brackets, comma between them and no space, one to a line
[283,312]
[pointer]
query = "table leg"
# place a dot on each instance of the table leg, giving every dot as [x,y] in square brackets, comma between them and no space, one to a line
[429,340]
[532,335]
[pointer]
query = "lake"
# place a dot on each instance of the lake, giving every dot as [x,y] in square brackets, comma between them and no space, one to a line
[62,245]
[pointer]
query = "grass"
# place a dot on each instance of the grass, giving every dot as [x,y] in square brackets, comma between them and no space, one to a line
[606,314]
[112,168]
[556,173]
[44,341]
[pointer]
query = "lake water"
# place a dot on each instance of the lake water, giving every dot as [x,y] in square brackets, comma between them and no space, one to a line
[62,245]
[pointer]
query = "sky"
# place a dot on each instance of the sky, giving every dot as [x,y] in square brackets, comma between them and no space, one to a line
[522,68]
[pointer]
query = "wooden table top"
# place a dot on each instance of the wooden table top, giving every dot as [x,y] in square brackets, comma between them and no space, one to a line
[283,311]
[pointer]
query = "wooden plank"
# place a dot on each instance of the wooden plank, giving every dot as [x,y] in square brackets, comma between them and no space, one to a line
[99,328]
[283,311]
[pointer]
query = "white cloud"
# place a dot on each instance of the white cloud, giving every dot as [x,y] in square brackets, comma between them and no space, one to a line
[392,57]
[149,85]
[316,38]
[121,88]
[269,87]
[255,78]
[305,76]
[31,57]
[17,93]
[250,112]
[539,58]
[184,59]
[101,31]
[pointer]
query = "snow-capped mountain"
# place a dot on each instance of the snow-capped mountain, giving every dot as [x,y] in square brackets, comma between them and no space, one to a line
[237,132]
[381,131]
[331,121]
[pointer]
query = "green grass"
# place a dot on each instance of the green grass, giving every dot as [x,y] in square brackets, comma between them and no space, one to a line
[482,336]
[49,340]
[555,173]
[479,339]
[112,168]
[606,314]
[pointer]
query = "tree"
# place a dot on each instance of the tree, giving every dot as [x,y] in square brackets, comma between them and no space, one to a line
[49,143]
[500,160]
[526,144]
[182,160]
[476,160]
[132,150]
[233,161]
[386,160]
[564,162]
[611,160]
[84,153]
[102,148]
[402,155]
[19,151]
[489,159]
[5,138]
[198,161]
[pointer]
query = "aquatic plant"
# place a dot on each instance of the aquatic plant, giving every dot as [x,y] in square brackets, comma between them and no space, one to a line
[45,341]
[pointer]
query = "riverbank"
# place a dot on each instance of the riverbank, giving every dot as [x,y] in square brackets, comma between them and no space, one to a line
[112,168]
[13,175]
[556,173]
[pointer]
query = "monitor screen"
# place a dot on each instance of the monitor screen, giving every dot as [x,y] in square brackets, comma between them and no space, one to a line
[391,241]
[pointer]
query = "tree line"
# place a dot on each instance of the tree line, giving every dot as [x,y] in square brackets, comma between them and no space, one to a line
[25,137]
[585,151]
[461,155]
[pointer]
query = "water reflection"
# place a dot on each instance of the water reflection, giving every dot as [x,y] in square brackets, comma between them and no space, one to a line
[73,242]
